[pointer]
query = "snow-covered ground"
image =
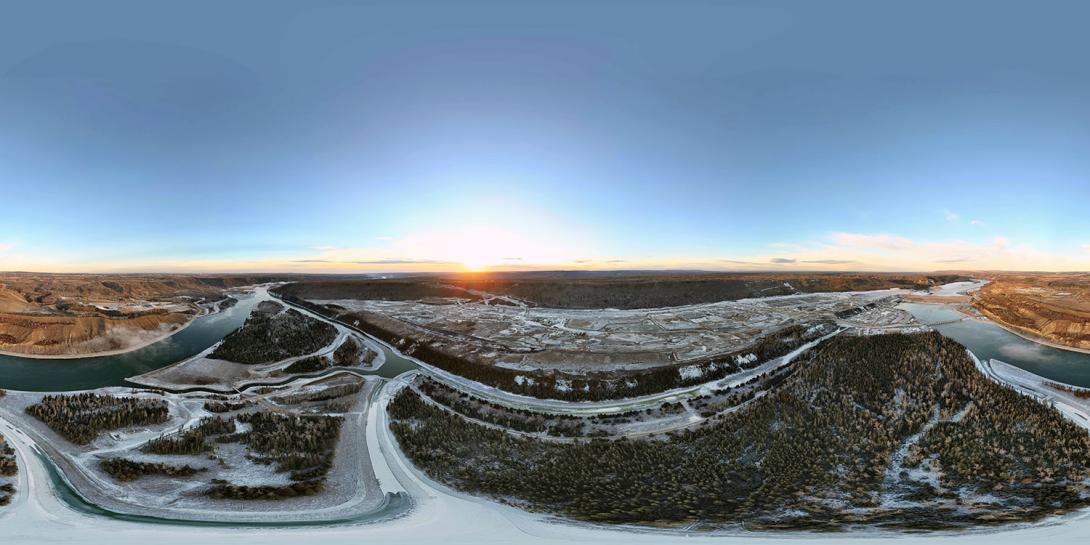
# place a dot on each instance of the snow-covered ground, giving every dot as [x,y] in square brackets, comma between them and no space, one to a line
[590,408]
[955,289]
[202,371]
[351,489]
[580,340]
[439,515]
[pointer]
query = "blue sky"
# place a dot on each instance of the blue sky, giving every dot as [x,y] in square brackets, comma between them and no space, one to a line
[360,136]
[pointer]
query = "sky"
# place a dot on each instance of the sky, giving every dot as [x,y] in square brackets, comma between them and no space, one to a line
[356,136]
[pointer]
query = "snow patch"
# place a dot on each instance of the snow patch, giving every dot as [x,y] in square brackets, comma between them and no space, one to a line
[690,372]
[746,359]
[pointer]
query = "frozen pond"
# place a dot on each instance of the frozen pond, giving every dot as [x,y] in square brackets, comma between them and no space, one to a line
[989,341]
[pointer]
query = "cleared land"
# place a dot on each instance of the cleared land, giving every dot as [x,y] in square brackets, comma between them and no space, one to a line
[297,449]
[578,354]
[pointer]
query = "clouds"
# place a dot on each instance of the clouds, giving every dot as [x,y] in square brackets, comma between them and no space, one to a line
[384,261]
[5,246]
[792,261]
[831,261]
[836,251]
[877,241]
[886,251]
[954,217]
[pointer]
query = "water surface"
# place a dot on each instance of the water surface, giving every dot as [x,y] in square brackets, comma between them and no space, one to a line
[44,375]
[63,375]
[989,341]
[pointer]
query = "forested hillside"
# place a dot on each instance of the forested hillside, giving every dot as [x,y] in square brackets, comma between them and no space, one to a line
[893,430]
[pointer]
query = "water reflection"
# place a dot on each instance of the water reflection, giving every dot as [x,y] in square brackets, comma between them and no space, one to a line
[989,341]
[40,375]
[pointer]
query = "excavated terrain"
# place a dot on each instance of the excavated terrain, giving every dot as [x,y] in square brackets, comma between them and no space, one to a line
[1054,308]
[82,314]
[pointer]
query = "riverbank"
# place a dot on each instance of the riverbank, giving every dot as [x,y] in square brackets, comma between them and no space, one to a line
[204,372]
[1030,337]
[989,339]
[439,515]
[138,346]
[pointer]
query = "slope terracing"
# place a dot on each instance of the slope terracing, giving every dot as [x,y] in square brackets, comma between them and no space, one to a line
[1054,308]
[48,315]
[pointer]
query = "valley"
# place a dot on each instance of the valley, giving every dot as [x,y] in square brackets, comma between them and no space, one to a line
[75,315]
[820,412]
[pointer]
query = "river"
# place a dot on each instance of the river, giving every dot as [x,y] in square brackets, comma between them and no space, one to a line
[66,375]
[45,375]
[984,338]
[989,341]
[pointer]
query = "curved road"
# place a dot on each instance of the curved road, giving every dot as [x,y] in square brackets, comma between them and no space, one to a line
[438,515]
[442,515]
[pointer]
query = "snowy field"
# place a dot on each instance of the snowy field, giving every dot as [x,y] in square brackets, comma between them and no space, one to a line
[351,489]
[439,515]
[609,339]
[442,515]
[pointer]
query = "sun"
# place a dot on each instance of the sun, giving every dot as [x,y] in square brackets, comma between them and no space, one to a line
[477,248]
[476,258]
[475,266]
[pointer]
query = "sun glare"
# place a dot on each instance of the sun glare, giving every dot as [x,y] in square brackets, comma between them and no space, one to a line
[481,248]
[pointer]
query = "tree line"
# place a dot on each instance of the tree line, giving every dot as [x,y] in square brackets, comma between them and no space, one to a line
[266,338]
[192,440]
[80,418]
[124,469]
[819,451]
[551,384]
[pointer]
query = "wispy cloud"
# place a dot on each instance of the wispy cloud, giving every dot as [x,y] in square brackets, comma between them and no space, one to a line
[884,251]
[831,261]
[385,261]
[879,241]
[781,260]
[598,261]
[395,261]
[5,246]
[951,215]
[978,223]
